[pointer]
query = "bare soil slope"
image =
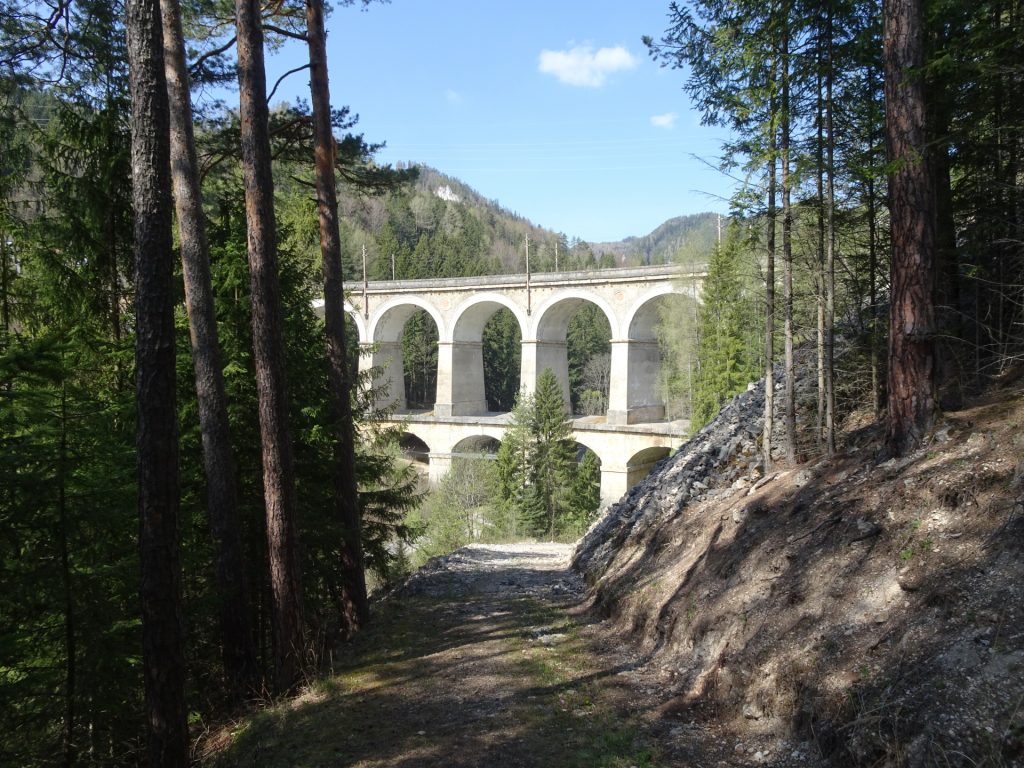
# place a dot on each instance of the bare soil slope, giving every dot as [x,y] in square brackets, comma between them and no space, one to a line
[873,612]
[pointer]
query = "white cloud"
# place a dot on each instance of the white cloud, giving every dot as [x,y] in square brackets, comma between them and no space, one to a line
[453,97]
[668,120]
[584,66]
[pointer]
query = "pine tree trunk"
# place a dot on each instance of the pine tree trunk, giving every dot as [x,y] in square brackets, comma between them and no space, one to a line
[787,254]
[769,318]
[911,396]
[157,434]
[872,208]
[239,649]
[819,277]
[354,607]
[830,242]
[64,534]
[268,350]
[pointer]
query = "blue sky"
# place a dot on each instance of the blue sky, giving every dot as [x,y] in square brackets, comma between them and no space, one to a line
[552,108]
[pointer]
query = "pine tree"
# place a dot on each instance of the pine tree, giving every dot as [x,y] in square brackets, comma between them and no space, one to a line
[584,495]
[912,401]
[155,392]
[354,608]
[728,360]
[512,465]
[268,349]
[553,458]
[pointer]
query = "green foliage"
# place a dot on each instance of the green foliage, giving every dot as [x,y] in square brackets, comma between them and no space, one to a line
[458,511]
[728,346]
[502,353]
[584,495]
[67,556]
[386,486]
[677,334]
[680,240]
[539,481]
[588,338]
[419,359]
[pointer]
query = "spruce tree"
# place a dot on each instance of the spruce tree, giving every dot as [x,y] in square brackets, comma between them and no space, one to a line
[553,449]
[584,495]
[727,359]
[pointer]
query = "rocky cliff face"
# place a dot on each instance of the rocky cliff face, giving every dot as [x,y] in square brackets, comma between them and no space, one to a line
[873,612]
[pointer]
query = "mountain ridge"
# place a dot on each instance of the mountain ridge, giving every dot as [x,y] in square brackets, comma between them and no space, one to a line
[441,226]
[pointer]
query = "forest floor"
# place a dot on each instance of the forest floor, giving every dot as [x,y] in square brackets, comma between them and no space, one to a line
[484,658]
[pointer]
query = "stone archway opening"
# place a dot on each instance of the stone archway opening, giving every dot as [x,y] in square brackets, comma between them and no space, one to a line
[641,463]
[574,339]
[662,341]
[502,356]
[588,347]
[419,358]
[416,454]
[414,449]
[481,363]
[477,447]
[404,356]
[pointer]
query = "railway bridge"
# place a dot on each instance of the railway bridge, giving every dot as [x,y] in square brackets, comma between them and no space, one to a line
[628,439]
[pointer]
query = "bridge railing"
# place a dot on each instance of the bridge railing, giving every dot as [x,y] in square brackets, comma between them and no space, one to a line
[615,274]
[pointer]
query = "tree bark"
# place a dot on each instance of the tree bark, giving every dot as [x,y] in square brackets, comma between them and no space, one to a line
[157,433]
[769,318]
[268,350]
[70,631]
[830,240]
[911,395]
[787,250]
[238,646]
[819,265]
[353,607]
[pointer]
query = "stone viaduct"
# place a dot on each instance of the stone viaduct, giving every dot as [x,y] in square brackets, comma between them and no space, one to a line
[632,435]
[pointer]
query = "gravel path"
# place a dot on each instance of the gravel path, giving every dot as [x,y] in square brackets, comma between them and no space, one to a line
[525,569]
[479,660]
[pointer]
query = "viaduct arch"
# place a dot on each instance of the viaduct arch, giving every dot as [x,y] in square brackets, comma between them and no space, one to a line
[630,437]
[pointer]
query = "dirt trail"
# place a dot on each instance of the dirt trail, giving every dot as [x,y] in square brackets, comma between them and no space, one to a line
[482,659]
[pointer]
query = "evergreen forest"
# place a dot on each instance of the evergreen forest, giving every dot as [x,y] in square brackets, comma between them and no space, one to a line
[198,492]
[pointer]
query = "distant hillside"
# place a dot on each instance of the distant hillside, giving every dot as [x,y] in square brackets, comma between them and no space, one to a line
[441,227]
[677,240]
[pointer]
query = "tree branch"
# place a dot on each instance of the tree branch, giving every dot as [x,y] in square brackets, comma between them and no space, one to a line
[285,32]
[195,65]
[281,79]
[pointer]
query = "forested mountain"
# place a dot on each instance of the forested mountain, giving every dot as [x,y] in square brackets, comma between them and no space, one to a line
[679,240]
[439,226]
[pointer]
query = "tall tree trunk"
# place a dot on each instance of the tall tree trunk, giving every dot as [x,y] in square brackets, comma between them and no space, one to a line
[911,394]
[268,350]
[238,646]
[830,240]
[787,247]
[163,659]
[354,607]
[769,318]
[819,277]
[872,206]
[64,532]
[5,291]
[946,259]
